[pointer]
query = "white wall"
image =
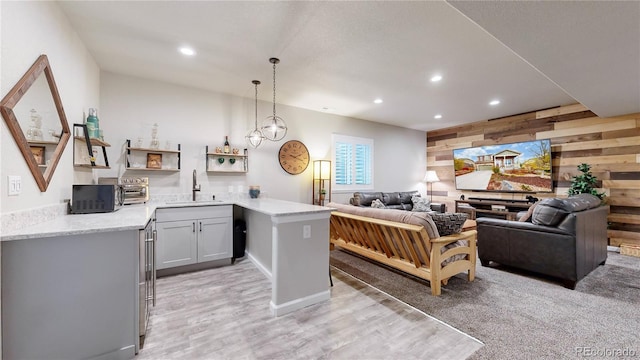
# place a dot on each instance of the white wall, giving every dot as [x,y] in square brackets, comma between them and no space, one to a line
[2,131]
[30,29]
[195,118]
[27,30]
[128,106]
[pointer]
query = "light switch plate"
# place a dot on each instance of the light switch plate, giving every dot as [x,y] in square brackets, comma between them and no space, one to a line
[15,185]
[306,231]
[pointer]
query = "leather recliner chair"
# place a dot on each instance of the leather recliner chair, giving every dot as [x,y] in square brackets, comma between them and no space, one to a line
[566,239]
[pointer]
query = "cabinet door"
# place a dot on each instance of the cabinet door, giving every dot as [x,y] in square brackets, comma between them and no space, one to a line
[214,239]
[176,244]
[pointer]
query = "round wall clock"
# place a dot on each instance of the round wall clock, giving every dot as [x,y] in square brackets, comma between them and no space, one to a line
[293,157]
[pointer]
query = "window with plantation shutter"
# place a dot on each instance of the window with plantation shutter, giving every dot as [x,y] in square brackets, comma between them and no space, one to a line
[353,163]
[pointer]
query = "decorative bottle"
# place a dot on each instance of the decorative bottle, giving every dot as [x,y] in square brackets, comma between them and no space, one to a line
[226,144]
[35,131]
[93,125]
[155,143]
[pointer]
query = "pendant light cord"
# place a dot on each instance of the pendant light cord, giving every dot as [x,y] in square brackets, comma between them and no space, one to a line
[256,107]
[274,89]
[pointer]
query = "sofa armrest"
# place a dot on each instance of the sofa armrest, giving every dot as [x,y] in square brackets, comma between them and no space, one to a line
[437,207]
[465,235]
[519,225]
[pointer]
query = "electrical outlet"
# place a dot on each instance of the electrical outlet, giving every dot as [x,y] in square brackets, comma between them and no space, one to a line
[306,231]
[15,185]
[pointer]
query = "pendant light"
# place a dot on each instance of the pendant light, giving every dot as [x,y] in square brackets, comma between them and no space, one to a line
[254,137]
[274,128]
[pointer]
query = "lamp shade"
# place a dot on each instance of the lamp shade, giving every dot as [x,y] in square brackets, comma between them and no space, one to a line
[431,177]
[322,170]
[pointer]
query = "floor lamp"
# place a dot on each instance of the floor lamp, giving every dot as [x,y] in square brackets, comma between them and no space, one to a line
[321,181]
[430,177]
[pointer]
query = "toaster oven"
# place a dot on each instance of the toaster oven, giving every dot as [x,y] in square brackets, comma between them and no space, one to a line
[135,190]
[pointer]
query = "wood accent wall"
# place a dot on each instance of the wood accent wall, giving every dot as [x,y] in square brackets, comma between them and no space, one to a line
[610,145]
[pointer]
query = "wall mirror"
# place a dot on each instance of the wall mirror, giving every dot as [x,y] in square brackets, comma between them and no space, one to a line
[35,117]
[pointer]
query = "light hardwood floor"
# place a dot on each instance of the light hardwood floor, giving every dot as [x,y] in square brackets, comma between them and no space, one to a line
[223,313]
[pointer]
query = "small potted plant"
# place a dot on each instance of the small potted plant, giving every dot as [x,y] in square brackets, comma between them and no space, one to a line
[585,182]
[323,192]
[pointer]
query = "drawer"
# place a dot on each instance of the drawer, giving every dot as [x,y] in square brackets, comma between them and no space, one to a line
[193,212]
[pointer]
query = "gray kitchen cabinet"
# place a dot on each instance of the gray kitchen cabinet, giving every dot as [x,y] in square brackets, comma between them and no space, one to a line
[71,296]
[194,234]
[177,243]
[214,238]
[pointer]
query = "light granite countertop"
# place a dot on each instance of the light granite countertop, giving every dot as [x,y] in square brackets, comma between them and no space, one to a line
[276,207]
[134,217]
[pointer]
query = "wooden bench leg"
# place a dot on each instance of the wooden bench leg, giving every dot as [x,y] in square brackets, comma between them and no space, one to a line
[436,288]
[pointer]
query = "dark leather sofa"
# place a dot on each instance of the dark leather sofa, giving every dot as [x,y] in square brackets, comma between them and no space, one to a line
[392,200]
[564,238]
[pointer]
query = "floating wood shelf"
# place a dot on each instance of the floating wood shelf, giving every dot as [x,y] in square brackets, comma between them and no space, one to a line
[244,158]
[90,142]
[129,149]
[153,150]
[150,169]
[92,166]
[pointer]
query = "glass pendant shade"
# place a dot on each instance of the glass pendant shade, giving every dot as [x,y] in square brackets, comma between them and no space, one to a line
[273,127]
[254,137]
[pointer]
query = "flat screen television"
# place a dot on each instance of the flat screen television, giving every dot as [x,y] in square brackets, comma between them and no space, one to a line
[523,167]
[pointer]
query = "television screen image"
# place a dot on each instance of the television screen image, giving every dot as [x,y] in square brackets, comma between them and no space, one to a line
[523,167]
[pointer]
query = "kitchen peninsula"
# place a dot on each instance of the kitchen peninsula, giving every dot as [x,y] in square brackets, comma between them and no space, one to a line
[70,285]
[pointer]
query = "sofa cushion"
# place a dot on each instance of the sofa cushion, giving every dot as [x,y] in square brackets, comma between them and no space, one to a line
[377,204]
[365,198]
[407,217]
[393,198]
[449,223]
[420,204]
[549,212]
[405,196]
[587,201]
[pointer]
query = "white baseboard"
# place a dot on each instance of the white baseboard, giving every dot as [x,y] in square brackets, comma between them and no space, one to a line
[293,305]
[260,267]
[613,249]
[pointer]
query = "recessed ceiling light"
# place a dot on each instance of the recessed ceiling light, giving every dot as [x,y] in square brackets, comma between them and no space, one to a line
[438,116]
[494,102]
[436,78]
[187,51]
[377,101]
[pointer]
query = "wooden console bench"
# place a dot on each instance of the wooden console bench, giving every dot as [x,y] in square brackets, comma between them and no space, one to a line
[405,247]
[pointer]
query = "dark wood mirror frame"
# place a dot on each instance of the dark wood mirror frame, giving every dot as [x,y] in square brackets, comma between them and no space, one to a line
[6,109]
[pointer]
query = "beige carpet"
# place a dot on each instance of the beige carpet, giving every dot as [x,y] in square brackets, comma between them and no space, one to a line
[521,315]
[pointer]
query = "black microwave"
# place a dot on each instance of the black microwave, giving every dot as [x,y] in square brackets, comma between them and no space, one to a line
[89,199]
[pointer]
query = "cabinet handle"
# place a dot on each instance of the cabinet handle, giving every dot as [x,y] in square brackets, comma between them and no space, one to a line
[200,225]
[153,259]
[193,226]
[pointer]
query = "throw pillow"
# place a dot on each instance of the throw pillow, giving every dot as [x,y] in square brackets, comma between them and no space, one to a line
[377,204]
[420,204]
[550,212]
[449,223]
[527,216]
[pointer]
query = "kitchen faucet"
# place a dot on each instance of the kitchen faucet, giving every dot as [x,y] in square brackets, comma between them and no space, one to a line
[196,186]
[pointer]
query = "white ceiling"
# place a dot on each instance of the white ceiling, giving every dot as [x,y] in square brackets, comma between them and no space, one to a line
[343,55]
